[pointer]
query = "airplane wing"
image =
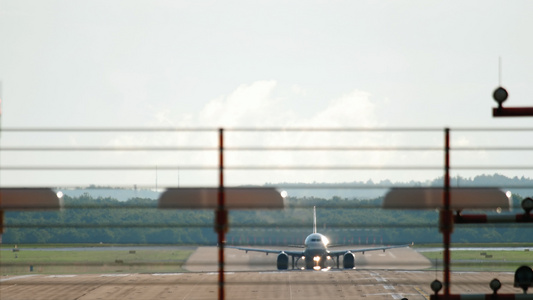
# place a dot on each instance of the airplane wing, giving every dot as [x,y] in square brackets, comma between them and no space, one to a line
[341,252]
[288,252]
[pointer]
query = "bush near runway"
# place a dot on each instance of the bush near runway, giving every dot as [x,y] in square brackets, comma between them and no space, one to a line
[25,261]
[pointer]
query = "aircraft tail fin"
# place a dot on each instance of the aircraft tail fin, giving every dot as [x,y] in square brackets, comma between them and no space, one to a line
[314,219]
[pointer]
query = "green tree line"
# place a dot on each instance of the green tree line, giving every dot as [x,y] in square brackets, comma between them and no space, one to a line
[85,219]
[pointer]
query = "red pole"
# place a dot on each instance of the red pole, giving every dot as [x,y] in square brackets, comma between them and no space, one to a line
[221,216]
[446,216]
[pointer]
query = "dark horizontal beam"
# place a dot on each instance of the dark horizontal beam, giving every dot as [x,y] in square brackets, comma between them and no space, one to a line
[482,296]
[512,112]
[469,219]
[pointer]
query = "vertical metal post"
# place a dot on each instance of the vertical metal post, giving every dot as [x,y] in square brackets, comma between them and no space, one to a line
[1,211]
[1,220]
[446,215]
[221,216]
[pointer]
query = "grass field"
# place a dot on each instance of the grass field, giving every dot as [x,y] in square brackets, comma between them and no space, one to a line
[485,260]
[108,260]
[26,261]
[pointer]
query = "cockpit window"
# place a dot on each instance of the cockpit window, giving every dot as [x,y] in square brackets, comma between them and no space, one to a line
[315,240]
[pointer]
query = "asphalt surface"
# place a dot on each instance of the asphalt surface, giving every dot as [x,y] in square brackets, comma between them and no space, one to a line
[395,274]
[205,259]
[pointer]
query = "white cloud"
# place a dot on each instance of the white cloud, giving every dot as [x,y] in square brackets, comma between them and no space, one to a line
[248,105]
[253,105]
[263,104]
[164,118]
[352,109]
[298,90]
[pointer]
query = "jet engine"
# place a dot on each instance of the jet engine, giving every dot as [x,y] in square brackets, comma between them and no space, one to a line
[348,261]
[283,261]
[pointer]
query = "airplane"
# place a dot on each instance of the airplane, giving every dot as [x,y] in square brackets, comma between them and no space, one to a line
[316,252]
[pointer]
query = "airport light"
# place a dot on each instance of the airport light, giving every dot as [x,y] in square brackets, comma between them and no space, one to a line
[523,278]
[30,199]
[235,198]
[527,205]
[495,285]
[221,199]
[500,95]
[460,198]
[446,200]
[436,286]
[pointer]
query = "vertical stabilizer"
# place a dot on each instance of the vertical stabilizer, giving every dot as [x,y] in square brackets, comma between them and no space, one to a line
[314,219]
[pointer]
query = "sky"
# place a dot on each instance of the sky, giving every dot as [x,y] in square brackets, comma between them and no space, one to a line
[259,64]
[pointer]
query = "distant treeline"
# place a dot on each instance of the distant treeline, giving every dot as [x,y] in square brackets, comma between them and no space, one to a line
[522,186]
[362,190]
[345,221]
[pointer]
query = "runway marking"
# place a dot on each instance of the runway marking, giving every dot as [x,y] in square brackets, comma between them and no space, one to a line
[290,287]
[378,277]
[166,274]
[414,272]
[391,254]
[115,275]
[60,276]
[8,287]
[388,287]
[421,292]
[17,277]
[393,295]
[193,288]
[216,273]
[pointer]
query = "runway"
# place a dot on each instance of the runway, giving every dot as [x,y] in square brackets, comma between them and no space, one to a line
[204,259]
[249,277]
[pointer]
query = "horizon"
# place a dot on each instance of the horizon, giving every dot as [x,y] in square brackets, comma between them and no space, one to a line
[353,190]
[189,157]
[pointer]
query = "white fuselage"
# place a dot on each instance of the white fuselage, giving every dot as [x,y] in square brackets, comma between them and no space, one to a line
[315,245]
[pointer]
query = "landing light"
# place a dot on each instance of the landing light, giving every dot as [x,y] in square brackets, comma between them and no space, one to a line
[316,268]
[316,258]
